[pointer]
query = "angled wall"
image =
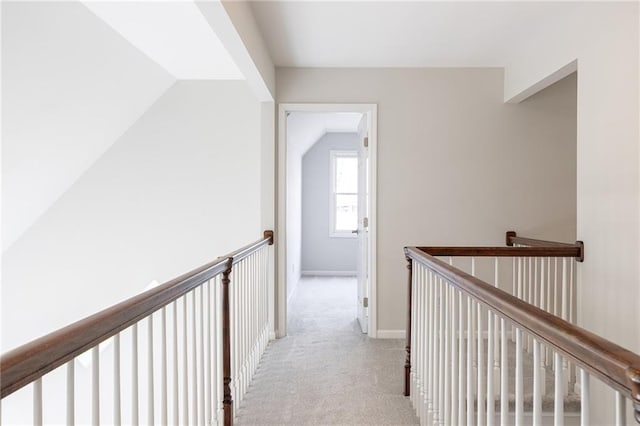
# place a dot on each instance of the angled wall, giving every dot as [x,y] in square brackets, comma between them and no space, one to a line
[179,188]
[71,86]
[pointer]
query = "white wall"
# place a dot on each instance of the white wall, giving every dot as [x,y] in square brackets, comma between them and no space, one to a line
[604,39]
[608,154]
[70,87]
[179,188]
[455,164]
[321,252]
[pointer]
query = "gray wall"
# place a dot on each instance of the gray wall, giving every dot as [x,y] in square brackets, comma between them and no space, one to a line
[320,252]
[456,165]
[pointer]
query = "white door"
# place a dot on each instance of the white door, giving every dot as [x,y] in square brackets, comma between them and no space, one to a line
[363,226]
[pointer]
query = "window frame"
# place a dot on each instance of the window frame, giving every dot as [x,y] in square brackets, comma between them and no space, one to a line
[333,194]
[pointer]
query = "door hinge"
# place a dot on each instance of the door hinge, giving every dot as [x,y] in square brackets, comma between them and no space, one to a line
[365,222]
[366,141]
[365,302]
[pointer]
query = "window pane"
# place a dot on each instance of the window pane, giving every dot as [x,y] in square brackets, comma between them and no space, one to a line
[347,174]
[346,212]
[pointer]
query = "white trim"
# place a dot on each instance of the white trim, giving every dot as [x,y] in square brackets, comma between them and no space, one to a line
[392,334]
[329,273]
[280,231]
[333,155]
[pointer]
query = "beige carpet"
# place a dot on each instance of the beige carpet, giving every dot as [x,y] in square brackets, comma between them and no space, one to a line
[326,372]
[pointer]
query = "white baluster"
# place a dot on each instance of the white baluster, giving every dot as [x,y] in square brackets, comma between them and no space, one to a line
[422,340]
[418,336]
[415,326]
[470,401]
[519,379]
[117,414]
[455,407]
[564,301]
[208,375]
[240,330]
[571,287]
[621,410]
[194,360]
[461,353]
[150,394]
[480,366]
[474,339]
[163,369]
[558,400]
[431,349]
[95,385]
[446,418]
[431,377]
[134,374]
[555,287]
[235,283]
[536,290]
[71,397]
[584,398]
[439,365]
[201,372]
[504,374]
[37,402]
[537,397]
[547,352]
[491,406]
[176,385]
[529,299]
[185,364]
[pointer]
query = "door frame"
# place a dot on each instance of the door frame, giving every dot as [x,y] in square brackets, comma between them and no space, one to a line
[280,233]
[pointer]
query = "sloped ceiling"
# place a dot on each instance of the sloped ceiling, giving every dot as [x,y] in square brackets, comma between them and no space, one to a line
[175,34]
[76,76]
[304,129]
[70,87]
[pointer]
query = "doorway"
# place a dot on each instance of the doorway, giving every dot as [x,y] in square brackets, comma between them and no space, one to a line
[345,136]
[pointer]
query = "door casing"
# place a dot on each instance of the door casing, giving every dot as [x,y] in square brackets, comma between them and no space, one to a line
[280,297]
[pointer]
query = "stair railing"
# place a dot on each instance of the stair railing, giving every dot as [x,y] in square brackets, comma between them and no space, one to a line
[192,346]
[465,328]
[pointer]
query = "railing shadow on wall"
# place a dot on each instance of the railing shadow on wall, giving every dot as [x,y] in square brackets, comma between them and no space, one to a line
[464,332]
[205,333]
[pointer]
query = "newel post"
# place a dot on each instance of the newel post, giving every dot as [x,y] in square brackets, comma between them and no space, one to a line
[634,379]
[227,402]
[407,362]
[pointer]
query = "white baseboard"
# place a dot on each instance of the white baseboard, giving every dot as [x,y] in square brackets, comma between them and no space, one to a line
[391,334]
[329,273]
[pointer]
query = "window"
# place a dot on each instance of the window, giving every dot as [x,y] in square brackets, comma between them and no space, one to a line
[343,194]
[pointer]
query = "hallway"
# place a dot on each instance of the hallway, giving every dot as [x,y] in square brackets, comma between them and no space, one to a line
[326,371]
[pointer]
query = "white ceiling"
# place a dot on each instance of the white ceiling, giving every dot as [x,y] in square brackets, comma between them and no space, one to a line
[174,34]
[398,34]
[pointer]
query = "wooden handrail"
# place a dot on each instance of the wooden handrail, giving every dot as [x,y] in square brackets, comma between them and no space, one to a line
[33,360]
[247,250]
[613,364]
[554,251]
[512,238]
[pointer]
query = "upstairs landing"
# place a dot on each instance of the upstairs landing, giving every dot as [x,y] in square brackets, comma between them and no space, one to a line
[326,371]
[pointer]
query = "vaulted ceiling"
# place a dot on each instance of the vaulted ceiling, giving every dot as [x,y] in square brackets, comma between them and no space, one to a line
[76,76]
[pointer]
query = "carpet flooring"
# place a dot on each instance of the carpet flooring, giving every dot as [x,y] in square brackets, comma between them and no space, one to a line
[326,372]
